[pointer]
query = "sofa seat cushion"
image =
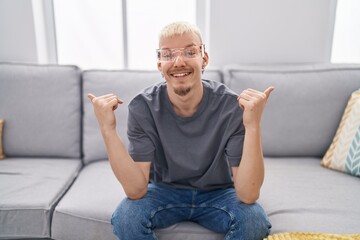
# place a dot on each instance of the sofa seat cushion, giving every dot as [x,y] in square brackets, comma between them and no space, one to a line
[87,208]
[299,195]
[29,191]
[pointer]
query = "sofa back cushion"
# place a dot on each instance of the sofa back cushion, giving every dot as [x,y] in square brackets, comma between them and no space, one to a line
[41,106]
[303,112]
[126,84]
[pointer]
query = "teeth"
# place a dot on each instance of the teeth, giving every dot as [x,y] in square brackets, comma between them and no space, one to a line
[180,74]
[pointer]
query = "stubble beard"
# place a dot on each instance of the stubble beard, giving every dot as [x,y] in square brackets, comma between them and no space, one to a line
[182,91]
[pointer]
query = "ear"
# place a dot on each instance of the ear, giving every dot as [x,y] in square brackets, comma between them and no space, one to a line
[159,66]
[160,69]
[205,60]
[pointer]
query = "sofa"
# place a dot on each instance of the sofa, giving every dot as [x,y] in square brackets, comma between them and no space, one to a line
[56,181]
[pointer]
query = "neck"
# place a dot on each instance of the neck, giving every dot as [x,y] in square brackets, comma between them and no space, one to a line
[186,106]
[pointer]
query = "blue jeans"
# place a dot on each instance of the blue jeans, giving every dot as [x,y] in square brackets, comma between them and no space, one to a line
[218,210]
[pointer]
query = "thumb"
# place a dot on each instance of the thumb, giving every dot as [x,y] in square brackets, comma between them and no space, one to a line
[268,91]
[120,101]
[91,96]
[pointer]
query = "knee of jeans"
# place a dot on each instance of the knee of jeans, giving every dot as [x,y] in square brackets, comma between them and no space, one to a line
[116,222]
[129,215]
[125,209]
[252,222]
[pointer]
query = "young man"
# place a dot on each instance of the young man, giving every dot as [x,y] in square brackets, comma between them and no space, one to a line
[200,142]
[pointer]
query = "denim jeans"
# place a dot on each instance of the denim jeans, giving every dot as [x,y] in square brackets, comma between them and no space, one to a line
[218,210]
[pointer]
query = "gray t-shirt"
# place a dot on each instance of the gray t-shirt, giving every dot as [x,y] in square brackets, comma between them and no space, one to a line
[188,152]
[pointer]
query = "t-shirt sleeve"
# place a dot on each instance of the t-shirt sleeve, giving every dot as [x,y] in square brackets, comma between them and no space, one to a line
[141,148]
[234,146]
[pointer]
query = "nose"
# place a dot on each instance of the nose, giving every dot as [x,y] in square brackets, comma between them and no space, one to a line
[179,61]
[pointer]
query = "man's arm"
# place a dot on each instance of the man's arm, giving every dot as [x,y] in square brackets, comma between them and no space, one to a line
[133,176]
[249,176]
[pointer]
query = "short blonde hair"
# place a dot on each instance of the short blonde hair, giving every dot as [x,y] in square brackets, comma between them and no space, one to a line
[179,28]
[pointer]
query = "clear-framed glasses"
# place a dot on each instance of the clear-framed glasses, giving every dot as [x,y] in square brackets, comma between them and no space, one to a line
[169,55]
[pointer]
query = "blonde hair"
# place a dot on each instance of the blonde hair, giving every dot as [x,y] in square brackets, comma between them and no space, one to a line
[178,29]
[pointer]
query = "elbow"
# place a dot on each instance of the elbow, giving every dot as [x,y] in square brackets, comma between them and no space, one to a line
[249,198]
[248,201]
[136,195]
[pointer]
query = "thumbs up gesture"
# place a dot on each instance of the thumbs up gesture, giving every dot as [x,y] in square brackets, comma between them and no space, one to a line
[253,103]
[104,107]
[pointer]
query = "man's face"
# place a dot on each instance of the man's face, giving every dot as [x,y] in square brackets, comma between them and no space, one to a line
[183,73]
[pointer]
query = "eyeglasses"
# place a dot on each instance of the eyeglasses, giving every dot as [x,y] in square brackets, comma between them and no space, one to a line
[170,55]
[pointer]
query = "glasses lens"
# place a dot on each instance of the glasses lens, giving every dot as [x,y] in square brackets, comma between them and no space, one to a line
[167,55]
[191,52]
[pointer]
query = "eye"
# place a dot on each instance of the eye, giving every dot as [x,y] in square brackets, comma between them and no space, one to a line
[191,52]
[166,55]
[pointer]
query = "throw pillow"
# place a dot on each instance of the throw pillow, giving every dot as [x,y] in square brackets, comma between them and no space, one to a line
[344,151]
[2,155]
[312,236]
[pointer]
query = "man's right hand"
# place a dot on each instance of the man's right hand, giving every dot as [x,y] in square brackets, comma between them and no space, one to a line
[133,176]
[104,107]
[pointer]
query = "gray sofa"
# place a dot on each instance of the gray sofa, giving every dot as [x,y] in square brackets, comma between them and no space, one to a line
[56,182]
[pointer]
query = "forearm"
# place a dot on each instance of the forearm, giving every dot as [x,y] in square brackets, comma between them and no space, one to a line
[250,173]
[129,174]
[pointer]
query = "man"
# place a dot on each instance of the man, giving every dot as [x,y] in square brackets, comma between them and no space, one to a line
[200,142]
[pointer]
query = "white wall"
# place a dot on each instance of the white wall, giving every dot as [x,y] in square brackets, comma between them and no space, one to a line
[17,32]
[276,31]
[237,31]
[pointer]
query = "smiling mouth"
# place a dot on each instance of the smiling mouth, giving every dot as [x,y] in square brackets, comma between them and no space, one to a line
[180,74]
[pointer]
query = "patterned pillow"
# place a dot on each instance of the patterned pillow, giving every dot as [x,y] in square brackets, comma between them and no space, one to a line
[344,151]
[2,155]
[312,236]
